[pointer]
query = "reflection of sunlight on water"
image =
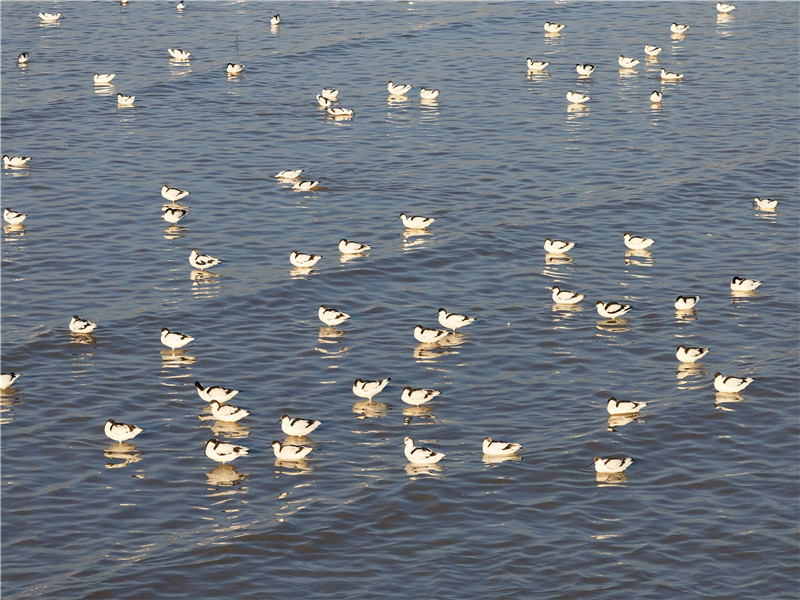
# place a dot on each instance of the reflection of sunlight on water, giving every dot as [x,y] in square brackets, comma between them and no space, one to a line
[615,421]
[537,75]
[691,376]
[8,399]
[174,232]
[414,470]
[171,359]
[367,409]
[105,90]
[722,398]
[205,284]
[329,335]
[430,352]
[82,338]
[612,326]
[611,478]
[124,452]
[230,430]
[685,315]
[422,415]
[223,476]
[557,259]
[300,272]
[490,461]
[344,258]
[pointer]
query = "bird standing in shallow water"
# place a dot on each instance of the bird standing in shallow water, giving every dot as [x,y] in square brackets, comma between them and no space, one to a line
[369,389]
[290,451]
[730,384]
[498,448]
[687,354]
[686,302]
[12,217]
[78,325]
[612,464]
[298,427]
[612,310]
[453,320]
[215,392]
[119,432]
[622,407]
[742,284]
[223,452]
[202,261]
[420,455]
[174,339]
[565,296]
[331,316]
[418,396]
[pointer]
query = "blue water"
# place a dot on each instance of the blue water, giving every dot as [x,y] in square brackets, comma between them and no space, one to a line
[709,508]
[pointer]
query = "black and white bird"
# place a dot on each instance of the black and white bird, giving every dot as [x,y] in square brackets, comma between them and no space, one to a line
[565,296]
[119,432]
[289,174]
[303,260]
[420,455]
[202,261]
[331,316]
[536,65]
[557,246]
[227,412]
[173,214]
[23,58]
[585,70]
[451,320]
[577,98]
[416,221]
[351,247]
[689,354]
[623,407]
[725,8]
[13,217]
[427,335]
[78,325]
[341,112]
[553,27]
[743,284]
[290,451]
[627,62]
[173,194]
[123,100]
[234,68]
[304,186]
[656,96]
[637,242]
[369,389]
[679,28]
[7,379]
[215,393]
[331,94]
[174,339]
[323,102]
[730,384]
[428,94]
[652,50]
[418,396]
[497,448]
[180,5]
[50,17]
[179,54]
[398,89]
[275,20]
[670,76]
[15,161]
[298,427]
[611,464]
[223,452]
[612,310]
[686,302]
[765,203]
[103,78]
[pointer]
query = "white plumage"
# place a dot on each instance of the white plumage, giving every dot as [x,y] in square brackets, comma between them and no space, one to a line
[303,260]
[427,335]
[730,384]
[23,58]
[323,102]
[7,379]
[652,50]
[656,96]
[15,161]
[765,203]
[289,174]
[123,100]
[103,78]
[234,68]
[13,217]
[611,464]
[227,412]
[497,448]
[420,455]
[173,215]
[369,389]
[223,452]
[179,54]
[351,247]
[275,20]
[686,302]
[174,339]
[688,354]
[340,111]
[78,325]
[637,242]
[416,222]
[612,310]
[50,17]
[202,261]
[536,65]
[577,98]
[623,407]
[331,316]
[172,194]
[290,451]
[670,76]
[557,246]
[119,432]
[565,296]
[678,28]
[399,89]
[298,427]
[453,320]
[418,396]
[627,62]
[428,94]
[553,27]
[585,70]
[743,284]
[725,8]
[304,186]
[214,393]
[331,94]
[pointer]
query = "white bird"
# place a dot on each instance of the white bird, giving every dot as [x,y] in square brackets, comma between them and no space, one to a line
[497,448]
[420,455]
[565,296]
[418,396]
[453,320]
[173,215]
[302,260]
[290,451]
[215,393]
[289,174]
[331,316]
[637,242]
[78,325]
[298,427]
[172,194]
[742,284]
[369,389]
[427,335]
[331,94]
[557,246]
[123,100]
[536,65]
[304,186]
[50,17]
[553,27]
[627,62]
[428,94]
[174,339]
[400,89]
[341,111]
[686,302]
[585,70]
[623,407]
[119,432]
[351,247]
[677,28]
[7,379]
[23,58]
[323,102]
[234,68]
[725,8]
[765,203]
[179,54]
[612,464]
[416,222]
[577,98]
[730,384]
[656,96]
[275,20]
[670,76]
[180,5]
[103,78]
[652,50]
[15,161]
[227,412]
[13,217]
[202,261]
[223,452]
[687,354]
[612,310]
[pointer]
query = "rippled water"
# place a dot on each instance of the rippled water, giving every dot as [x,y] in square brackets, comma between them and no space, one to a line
[709,507]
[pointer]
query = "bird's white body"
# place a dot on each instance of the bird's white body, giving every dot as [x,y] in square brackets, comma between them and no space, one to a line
[637,242]
[427,335]
[765,203]
[553,27]
[234,68]
[7,379]
[275,20]
[119,432]
[304,186]
[428,94]
[416,222]
[369,389]
[725,8]
[215,393]
[497,448]
[223,452]
[290,451]
[565,296]
[536,65]
[323,102]
[303,260]
[23,58]
[687,354]
[202,261]
[12,217]
[172,194]
[173,215]
[627,62]
[577,98]
[742,284]
[420,455]
[15,161]
[78,325]
[453,320]
[331,94]
[179,54]
[180,5]
[678,28]
[557,246]
[289,174]
[227,412]
[103,78]
[400,89]
[611,465]
[331,316]
[174,339]
[351,247]
[612,310]
[652,50]
[50,17]
[730,384]
[298,427]
[656,96]
[418,396]
[585,70]
[123,100]
[340,111]
[670,76]
[623,407]
[686,302]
